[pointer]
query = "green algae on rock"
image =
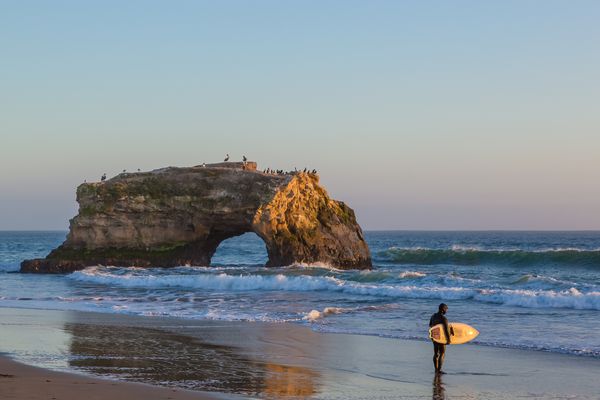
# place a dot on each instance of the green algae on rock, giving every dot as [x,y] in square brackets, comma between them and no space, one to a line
[178,216]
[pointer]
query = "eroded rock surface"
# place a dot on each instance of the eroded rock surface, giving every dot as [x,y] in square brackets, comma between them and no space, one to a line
[178,216]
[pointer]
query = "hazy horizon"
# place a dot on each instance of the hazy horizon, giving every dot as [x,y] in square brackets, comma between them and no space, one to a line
[424,116]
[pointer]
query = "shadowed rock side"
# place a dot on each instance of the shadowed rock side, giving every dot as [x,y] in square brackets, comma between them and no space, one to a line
[178,216]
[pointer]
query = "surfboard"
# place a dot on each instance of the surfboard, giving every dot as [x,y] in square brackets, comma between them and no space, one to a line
[459,333]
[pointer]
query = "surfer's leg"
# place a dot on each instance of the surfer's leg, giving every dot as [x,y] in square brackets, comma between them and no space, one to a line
[442,353]
[436,356]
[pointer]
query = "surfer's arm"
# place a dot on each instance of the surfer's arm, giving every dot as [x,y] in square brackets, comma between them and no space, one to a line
[446,330]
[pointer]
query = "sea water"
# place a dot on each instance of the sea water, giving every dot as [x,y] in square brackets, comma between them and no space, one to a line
[529,290]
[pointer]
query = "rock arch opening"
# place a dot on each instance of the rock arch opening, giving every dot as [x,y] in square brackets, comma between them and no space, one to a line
[247,249]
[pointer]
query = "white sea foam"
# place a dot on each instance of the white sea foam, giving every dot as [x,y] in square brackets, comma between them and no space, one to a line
[411,274]
[314,266]
[315,315]
[572,298]
[460,247]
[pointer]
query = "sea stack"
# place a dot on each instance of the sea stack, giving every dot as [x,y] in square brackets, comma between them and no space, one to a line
[178,216]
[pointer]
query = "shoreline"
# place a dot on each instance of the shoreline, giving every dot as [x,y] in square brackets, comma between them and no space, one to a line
[555,351]
[226,359]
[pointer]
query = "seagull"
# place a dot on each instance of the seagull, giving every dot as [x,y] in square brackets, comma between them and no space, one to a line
[226,158]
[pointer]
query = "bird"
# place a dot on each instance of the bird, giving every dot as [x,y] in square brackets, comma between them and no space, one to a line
[304,170]
[124,170]
[103,177]
[226,158]
[139,170]
[244,159]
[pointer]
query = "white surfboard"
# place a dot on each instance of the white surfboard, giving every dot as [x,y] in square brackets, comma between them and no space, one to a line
[459,333]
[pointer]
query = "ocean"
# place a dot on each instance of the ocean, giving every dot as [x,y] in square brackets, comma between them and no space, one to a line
[527,290]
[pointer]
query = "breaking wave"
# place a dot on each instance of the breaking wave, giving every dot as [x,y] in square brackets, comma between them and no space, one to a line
[475,256]
[124,277]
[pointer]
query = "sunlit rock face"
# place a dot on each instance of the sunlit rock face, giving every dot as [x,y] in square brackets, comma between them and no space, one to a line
[178,216]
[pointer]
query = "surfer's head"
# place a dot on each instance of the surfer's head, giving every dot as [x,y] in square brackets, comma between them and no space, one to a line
[443,308]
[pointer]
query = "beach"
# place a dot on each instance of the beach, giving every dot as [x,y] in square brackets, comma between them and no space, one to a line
[262,360]
[20,381]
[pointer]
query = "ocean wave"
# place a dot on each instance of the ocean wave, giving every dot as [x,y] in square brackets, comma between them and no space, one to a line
[535,280]
[571,298]
[218,282]
[459,255]
[550,348]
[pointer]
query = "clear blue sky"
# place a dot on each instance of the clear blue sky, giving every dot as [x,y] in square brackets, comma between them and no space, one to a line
[420,115]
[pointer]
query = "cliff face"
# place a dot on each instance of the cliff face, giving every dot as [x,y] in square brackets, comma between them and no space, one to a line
[178,216]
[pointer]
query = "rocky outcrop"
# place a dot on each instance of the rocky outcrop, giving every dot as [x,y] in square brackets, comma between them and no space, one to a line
[178,216]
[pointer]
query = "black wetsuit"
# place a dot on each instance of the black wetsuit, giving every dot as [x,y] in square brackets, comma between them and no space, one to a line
[439,349]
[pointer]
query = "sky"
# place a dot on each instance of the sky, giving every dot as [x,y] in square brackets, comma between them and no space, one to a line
[449,115]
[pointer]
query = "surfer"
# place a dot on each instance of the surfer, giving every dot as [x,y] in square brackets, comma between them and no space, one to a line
[439,349]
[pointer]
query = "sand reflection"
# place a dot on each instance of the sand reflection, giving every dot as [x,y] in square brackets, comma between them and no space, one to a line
[283,380]
[172,359]
[439,391]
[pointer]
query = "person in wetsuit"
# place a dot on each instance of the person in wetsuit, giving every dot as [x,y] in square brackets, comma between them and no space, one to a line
[440,349]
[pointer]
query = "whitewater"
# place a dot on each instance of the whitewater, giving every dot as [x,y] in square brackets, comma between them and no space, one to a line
[510,285]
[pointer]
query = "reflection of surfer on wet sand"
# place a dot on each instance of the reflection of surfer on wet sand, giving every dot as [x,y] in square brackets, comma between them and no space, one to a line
[439,392]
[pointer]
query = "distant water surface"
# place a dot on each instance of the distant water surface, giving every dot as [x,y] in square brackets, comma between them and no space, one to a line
[529,290]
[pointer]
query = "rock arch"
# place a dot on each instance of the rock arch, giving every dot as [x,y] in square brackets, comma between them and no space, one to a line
[179,216]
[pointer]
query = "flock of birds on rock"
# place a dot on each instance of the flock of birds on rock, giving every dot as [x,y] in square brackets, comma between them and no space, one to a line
[275,171]
[244,160]
[295,171]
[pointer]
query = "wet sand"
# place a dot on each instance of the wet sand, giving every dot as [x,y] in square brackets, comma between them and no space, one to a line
[19,381]
[281,360]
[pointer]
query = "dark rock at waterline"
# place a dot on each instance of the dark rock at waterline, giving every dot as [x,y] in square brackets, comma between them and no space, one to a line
[178,216]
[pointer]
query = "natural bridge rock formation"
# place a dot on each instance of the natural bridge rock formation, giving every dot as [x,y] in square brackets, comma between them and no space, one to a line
[178,216]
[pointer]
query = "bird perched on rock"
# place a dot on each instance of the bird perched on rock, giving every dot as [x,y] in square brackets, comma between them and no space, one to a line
[103,177]
[244,159]
[226,157]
